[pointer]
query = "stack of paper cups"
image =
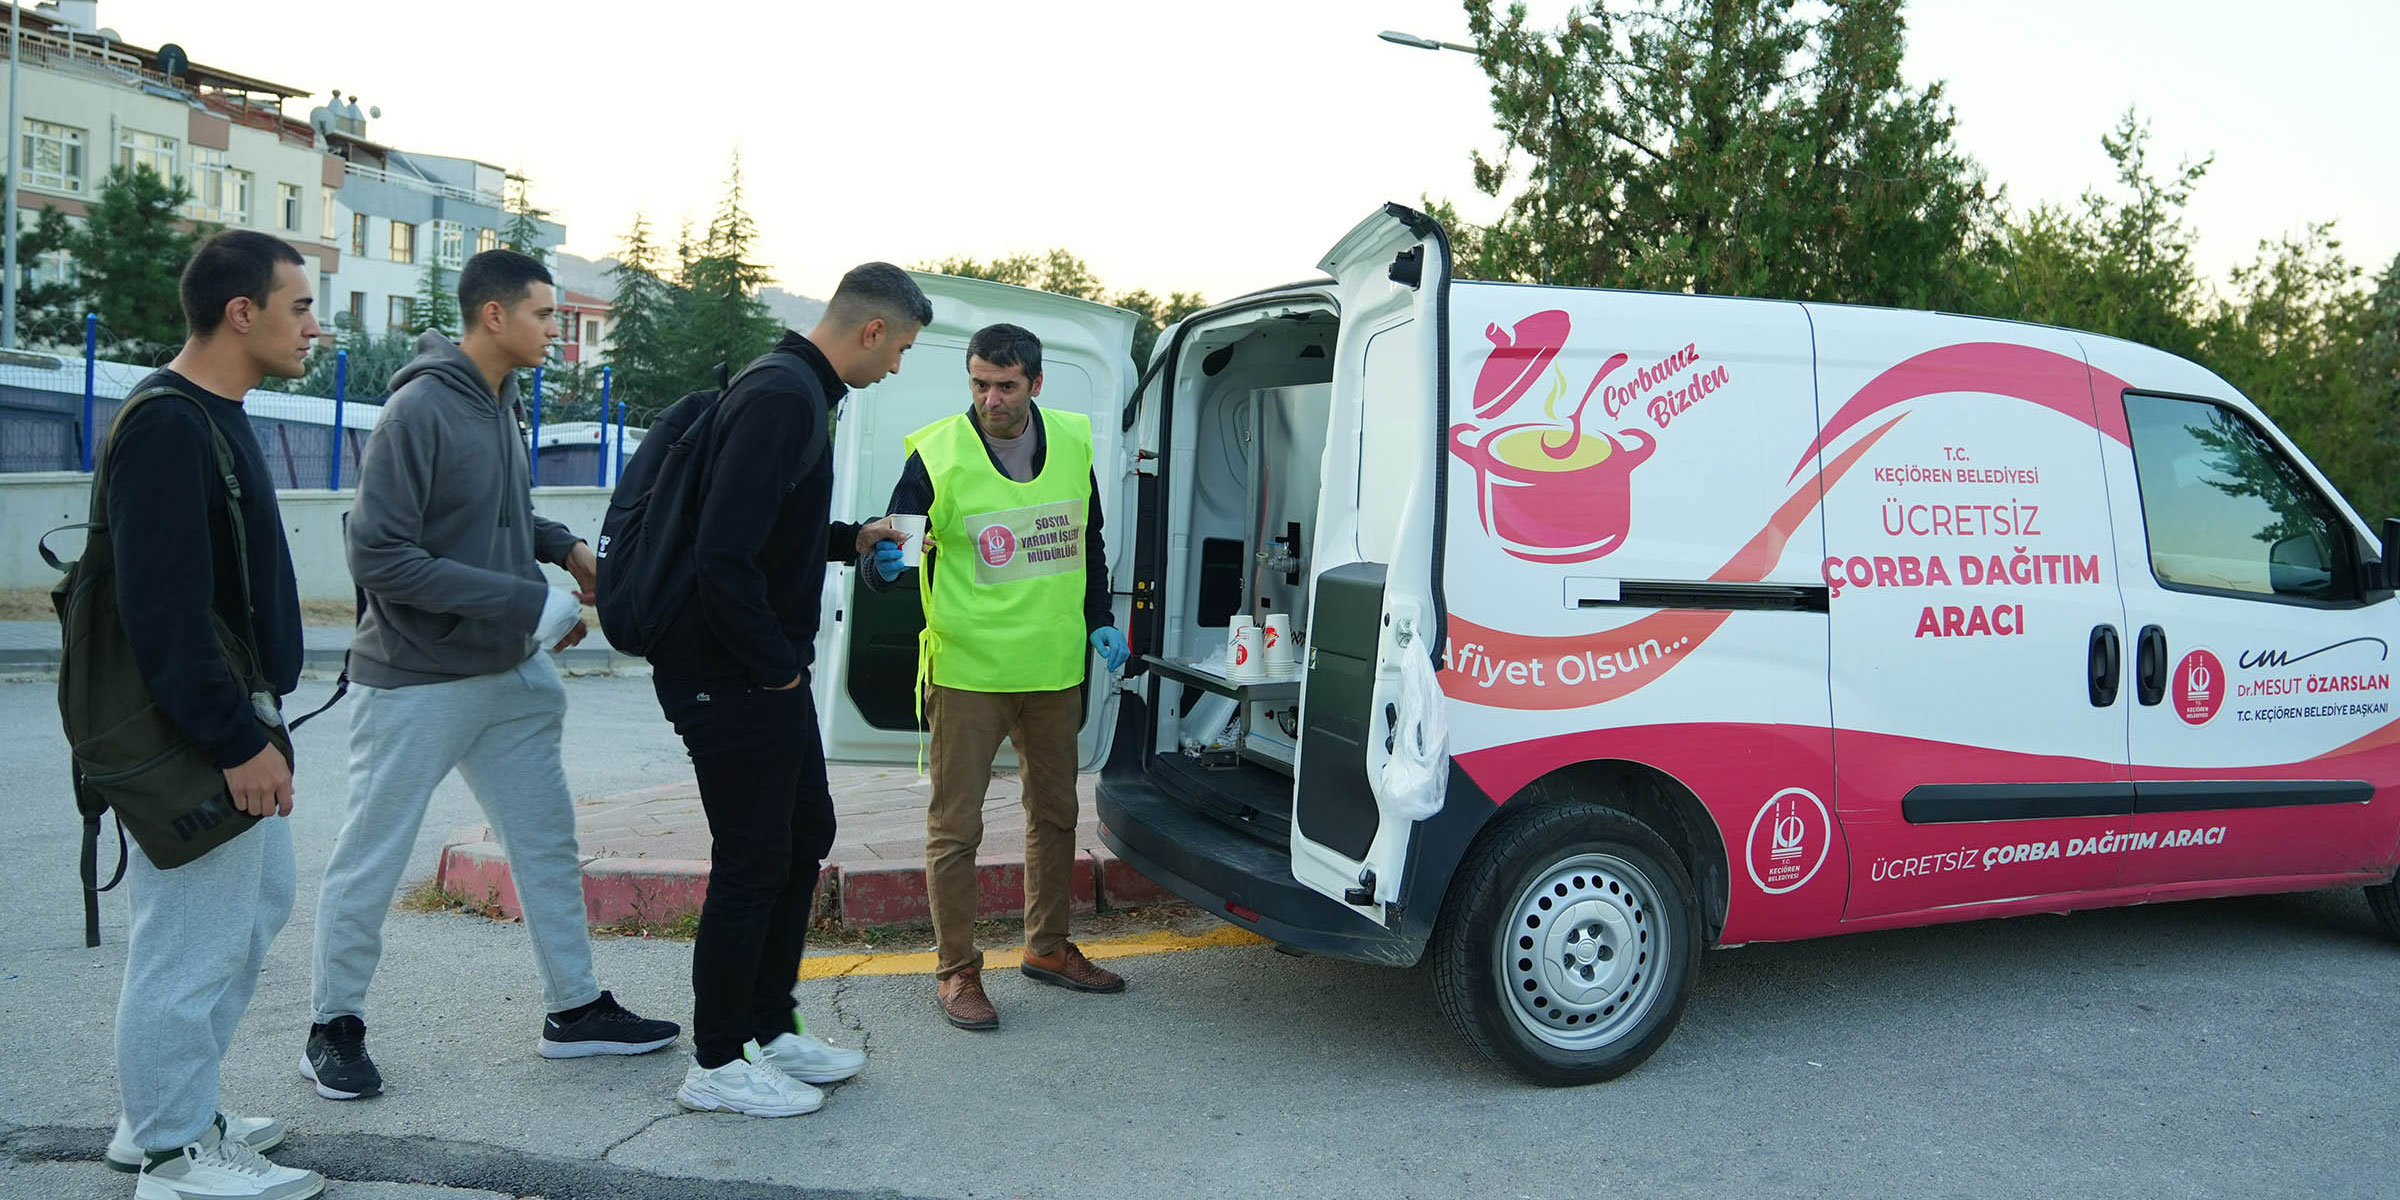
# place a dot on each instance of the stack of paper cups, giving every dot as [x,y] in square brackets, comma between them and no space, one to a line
[1276,647]
[1245,660]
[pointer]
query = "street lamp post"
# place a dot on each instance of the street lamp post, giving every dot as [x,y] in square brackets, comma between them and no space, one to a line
[1557,119]
[16,140]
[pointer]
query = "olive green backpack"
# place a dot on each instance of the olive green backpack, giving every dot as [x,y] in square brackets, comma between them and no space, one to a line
[129,758]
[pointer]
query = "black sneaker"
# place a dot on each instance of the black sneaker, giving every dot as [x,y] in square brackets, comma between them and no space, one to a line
[337,1060]
[605,1027]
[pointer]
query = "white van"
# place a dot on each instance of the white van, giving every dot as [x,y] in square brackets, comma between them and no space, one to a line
[1637,623]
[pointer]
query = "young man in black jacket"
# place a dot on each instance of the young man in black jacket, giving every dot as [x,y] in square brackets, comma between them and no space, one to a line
[200,932]
[732,673]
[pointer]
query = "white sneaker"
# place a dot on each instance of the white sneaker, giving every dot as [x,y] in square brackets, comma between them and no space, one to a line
[259,1133]
[806,1056]
[219,1168]
[748,1085]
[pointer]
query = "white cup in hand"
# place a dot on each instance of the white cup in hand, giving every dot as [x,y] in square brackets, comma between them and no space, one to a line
[912,538]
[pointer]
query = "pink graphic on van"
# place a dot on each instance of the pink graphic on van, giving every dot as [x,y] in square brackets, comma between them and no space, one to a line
[1499,669]
[1517,360]
[2055,381]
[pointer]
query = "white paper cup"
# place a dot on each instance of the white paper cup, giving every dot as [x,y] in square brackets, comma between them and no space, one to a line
[1276,647]
[1245,660]
[912,539]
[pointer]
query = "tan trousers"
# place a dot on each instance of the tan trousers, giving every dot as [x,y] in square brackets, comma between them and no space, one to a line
[967,729]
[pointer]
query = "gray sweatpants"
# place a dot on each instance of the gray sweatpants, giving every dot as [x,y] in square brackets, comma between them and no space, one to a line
[501,731]
[199,940]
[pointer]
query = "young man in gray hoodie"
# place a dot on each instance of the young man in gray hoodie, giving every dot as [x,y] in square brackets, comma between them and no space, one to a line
[452,673]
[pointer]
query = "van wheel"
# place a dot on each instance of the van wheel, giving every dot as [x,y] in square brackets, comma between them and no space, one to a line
[2383,900]
[1569,946]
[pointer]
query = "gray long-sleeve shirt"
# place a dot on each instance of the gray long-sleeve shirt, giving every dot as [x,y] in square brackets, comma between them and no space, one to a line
[443,538]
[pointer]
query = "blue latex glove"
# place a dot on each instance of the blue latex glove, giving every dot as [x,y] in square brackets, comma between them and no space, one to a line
[1111,645]
[887,559]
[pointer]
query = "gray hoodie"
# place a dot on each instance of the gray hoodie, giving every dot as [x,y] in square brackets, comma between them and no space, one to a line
[443,537]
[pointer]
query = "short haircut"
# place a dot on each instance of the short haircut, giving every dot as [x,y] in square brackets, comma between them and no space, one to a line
[1008,346]
[878,289]
[502,275]
[235,262]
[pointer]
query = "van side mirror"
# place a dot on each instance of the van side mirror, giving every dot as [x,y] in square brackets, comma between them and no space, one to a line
[2380,575]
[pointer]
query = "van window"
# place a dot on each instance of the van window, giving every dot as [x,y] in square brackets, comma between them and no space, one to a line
[1391,445]
[2226,511]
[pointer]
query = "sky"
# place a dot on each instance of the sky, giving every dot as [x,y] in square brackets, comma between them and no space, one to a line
[1223,147]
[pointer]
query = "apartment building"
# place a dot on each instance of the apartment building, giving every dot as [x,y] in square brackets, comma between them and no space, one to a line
[371,217]
[88,101]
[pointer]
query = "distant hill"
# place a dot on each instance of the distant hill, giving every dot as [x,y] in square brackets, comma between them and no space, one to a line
[584,275]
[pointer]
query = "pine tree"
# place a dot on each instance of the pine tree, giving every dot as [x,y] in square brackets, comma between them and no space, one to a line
[524,232]
[129,260]
[723,321]
[646,316]
[436,305]
[48,314]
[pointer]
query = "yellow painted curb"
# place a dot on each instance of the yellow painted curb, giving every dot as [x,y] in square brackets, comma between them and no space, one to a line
[829,966]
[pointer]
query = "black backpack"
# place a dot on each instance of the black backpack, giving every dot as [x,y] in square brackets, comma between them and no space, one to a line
[645,549]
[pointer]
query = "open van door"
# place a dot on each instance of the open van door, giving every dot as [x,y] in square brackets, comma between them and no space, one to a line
[1374,600]
[866,674]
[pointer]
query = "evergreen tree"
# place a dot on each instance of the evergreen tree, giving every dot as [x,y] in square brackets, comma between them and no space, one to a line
[646,316]
[723,322]
[1748,147]
[129,259]
[48,314]
[436,305]
[524,231]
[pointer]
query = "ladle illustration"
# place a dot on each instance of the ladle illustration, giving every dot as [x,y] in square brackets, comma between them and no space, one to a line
[1574,431]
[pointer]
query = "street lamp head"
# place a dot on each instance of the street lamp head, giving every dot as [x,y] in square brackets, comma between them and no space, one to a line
[1410,40]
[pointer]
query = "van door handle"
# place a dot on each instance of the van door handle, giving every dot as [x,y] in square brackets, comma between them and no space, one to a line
[2150,665]
[2105,665]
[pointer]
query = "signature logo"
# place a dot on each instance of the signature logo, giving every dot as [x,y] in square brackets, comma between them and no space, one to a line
[2255,659]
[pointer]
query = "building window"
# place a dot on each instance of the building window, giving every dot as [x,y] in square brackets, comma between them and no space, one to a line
[332,219]
[53,156]
[449,243]
[358,310]
[358,234]
[219,193]
[289,195]
[404,242]
[591,332]
[55,267]
[402,314]
[486,239]
[136,149]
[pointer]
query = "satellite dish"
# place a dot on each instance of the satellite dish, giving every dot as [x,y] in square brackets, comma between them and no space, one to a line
[172,61]
[375,111]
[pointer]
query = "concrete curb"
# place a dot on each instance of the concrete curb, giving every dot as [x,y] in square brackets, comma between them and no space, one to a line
[327,663]
[655,892]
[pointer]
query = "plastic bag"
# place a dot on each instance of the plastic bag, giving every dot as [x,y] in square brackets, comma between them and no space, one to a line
[1416,777]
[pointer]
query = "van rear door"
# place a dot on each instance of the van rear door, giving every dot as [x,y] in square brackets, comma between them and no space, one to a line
[866,673]
[1373,600]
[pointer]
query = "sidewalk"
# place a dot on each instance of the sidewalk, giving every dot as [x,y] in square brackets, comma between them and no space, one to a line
[646,855]
[32,646]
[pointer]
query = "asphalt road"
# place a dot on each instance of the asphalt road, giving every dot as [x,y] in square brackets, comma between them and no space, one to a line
[2226,1048]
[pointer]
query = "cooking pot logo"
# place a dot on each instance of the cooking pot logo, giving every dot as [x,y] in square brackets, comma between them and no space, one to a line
[2198,687]
[1550,493]
[997,544]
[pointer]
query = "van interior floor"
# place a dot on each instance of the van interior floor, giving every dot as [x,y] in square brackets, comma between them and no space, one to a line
[1247,796]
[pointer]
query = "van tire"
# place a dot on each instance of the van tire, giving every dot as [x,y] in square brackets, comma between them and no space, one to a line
[1632,946]
[2383,899]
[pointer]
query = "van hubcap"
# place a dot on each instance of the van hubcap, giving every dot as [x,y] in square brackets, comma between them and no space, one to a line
[1579,956]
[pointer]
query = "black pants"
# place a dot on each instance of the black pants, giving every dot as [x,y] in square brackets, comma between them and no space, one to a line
[761,766]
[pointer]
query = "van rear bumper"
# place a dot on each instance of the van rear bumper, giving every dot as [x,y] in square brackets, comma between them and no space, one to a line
[1222,870]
